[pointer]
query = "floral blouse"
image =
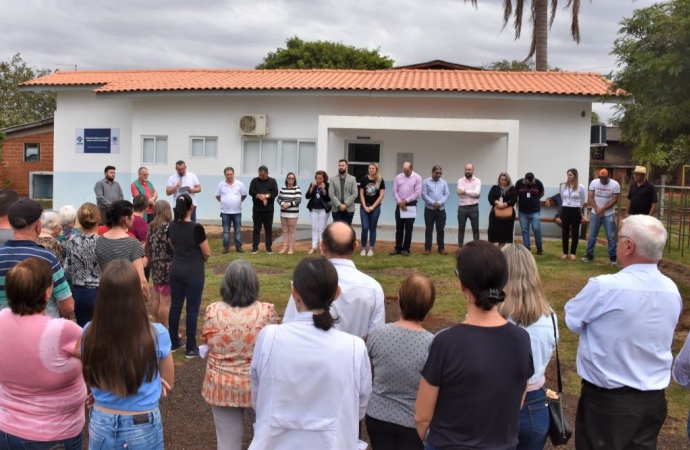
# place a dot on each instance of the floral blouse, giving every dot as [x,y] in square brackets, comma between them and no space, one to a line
[53,245]
[161,254]
[230,333]
[81,265]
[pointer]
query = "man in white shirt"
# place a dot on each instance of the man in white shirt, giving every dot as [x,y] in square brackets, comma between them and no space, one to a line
[360,306]
[469,190]
[603,196]
[183,182]
[626,323]
[231,193]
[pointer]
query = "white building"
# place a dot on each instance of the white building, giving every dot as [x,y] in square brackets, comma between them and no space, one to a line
[500,121]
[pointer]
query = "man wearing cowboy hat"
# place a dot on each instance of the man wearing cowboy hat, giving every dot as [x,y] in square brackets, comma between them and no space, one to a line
[642,197]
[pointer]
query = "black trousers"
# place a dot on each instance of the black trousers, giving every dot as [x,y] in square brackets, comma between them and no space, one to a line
[435,217]
[265,219]
[618,419]
[391,436]
[403,232]
[468,212]
[571,217]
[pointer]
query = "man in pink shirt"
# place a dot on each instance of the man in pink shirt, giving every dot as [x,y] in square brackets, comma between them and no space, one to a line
[469,190]
[407,188]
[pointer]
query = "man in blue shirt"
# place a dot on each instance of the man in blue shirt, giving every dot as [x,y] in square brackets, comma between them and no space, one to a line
[626,323]
[435,195]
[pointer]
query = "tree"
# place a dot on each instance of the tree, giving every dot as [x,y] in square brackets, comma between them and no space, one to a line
[17,107]
[511,66]
[324,55]
[541,22]
[652,52]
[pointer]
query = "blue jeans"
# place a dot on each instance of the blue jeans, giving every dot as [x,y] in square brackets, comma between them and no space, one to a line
[84,303]
[369,222]
[109,431]
[10,442]
[234,220]
[191,289]
[534,422]
[609,223]
[527,219]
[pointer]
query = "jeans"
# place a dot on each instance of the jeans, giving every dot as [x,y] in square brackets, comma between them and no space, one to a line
[370,221]
[84,303]
[534,421]
[232,220]
[527,220]
[609,222]
[265,219]
[10,442]
[468,212]
[108,431]
[319,217]
[403,231]
[191,289]
[434,217]
[343,216]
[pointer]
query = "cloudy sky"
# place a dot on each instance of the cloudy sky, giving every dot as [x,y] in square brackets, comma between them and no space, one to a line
[135,34]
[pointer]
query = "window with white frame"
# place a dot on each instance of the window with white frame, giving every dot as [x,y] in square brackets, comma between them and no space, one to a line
[280,156]
[154,149]
[203,147]
[32,152]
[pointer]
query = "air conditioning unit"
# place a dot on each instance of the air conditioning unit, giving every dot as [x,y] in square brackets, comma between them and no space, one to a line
[253,125]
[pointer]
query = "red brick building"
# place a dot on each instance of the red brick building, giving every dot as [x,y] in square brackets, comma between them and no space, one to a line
[27,159]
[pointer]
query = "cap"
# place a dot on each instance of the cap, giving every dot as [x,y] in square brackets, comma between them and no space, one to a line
[640,169]
[603,173]
[23,213]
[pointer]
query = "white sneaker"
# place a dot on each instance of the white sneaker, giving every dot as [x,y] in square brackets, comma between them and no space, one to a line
[363,253]
[370,252]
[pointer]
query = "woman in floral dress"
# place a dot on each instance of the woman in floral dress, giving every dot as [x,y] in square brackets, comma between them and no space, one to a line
[160,254]
[230,330]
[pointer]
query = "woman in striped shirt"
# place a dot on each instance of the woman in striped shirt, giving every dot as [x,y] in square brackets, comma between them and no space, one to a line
[289,199]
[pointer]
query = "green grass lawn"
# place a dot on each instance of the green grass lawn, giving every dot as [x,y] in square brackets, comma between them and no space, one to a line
[561,280]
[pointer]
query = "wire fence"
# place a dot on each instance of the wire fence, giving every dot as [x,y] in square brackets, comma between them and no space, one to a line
[674,212]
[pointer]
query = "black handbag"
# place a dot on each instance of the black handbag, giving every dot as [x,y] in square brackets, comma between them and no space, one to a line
[560,430]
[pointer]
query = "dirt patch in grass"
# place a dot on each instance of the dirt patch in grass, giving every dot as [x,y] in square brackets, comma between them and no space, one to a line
[216,231]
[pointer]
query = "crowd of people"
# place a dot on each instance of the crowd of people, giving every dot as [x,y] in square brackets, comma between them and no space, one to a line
[312,378]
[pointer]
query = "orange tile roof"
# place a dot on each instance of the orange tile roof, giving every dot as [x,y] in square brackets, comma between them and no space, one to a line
[556,83]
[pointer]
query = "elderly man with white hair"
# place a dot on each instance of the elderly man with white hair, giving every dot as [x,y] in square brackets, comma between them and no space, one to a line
[626,323]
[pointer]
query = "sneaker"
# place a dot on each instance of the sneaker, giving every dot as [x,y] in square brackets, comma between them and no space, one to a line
[442,251]
[540,251]
[239,250]
[614,262]
[363,253]
[269,251]
[405,253]
[175,348]
[395,252]
[255,251]
[189,354]
[370,252]
[225,250]
[587,258]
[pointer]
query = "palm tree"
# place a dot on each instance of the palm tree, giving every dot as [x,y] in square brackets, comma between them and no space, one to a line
[540,24]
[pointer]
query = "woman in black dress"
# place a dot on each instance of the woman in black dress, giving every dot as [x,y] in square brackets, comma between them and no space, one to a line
[502,196]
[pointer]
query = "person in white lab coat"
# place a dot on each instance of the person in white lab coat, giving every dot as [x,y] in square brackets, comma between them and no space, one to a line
[310,382]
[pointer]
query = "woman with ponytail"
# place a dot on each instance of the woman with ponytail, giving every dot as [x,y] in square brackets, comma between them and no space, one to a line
[310,382]
[190,253]
[474,380]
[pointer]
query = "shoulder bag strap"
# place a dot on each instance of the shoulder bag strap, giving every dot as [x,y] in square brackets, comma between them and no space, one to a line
[558,361]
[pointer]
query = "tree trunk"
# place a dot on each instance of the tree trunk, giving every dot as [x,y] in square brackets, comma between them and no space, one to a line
[541,34]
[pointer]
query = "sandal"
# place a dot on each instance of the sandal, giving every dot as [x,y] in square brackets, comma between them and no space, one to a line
[573,257]
[564,256]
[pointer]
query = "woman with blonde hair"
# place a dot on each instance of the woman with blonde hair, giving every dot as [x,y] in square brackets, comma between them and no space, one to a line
[81,264]
[160,255]
[372,190]
[526,306]
[502,196]
[574,197]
